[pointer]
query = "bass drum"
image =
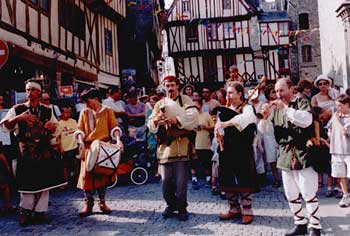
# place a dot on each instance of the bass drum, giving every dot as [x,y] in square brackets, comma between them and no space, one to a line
[139,175]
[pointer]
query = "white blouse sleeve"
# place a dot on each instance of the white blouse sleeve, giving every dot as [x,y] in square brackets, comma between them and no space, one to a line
[246,118]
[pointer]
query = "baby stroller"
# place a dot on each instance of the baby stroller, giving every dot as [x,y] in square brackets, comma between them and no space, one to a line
[136,163]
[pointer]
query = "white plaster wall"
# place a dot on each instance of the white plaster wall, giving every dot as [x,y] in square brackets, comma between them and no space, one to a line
[332,41]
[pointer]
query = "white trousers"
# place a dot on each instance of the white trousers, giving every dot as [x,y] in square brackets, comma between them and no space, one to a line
[302,183]
[38,202]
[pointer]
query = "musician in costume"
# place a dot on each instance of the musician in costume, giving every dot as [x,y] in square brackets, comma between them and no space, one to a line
[292,120]
[237,171]
[39,168]
[171,119]
[96,122]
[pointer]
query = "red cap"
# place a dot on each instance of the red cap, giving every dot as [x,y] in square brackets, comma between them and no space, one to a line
[170,77]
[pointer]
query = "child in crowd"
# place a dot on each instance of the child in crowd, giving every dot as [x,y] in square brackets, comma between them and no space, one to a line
[339,132]
[203,142]
[68,145]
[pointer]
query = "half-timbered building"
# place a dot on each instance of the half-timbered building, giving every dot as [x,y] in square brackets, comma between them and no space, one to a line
[206,37]
[61,42]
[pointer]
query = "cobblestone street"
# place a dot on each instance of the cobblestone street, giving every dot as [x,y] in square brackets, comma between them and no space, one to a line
[137,211]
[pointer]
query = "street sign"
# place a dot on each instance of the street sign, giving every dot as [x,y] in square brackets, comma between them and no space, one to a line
[66,91]
[4,53]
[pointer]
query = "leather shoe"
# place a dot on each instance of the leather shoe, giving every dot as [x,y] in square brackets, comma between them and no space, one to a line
[230,215]
[247,219]
[40,218]
[183,215]
[104,208]
[168,213]
[25,217]
[314,232]
[297,230]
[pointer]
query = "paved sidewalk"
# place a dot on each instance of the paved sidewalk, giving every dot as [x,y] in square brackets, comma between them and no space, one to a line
[137,211]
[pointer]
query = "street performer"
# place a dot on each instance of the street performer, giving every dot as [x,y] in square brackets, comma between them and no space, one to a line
[172,119]
[292,120]
[96,122]
[237,171]
[39,168]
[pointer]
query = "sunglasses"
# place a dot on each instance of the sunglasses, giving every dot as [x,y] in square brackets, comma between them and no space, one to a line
[205,91]
[322,83]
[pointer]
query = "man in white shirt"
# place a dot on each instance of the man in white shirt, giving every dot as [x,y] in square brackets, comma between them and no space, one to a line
[46,100]
[292,120]
[113,101]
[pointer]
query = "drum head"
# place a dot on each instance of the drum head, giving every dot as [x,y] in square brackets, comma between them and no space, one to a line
[92,155]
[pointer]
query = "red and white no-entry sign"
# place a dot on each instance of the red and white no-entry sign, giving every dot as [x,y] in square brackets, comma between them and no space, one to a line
[4,53]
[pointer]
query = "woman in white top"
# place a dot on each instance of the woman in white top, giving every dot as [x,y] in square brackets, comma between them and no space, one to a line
[325,98]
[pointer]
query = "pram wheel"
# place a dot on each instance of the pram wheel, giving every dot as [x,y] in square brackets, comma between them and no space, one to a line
[139,176]
[115,182]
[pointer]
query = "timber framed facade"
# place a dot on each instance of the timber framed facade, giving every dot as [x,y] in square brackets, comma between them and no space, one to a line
[63,41]
[206,37]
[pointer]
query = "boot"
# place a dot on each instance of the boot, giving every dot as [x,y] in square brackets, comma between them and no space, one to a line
[40,218]
[231,214]
[87,210]
[103,207]
[297,230]
[25,217]
[168,212]
[183,215]
[314,232]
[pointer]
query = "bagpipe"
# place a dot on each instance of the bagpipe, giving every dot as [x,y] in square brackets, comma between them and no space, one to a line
[168,133]
[226,114]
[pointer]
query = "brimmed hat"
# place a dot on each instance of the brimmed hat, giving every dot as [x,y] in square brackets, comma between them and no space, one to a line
[322,77]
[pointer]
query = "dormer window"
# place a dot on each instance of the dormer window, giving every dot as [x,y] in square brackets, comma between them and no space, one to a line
[226,4]
[185,5]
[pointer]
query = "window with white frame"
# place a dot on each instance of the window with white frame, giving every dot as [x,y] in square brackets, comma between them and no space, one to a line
[212,31]
[228,30]
[185,5]
[283,28]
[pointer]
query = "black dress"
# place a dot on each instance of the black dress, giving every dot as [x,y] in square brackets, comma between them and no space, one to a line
[237,171]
